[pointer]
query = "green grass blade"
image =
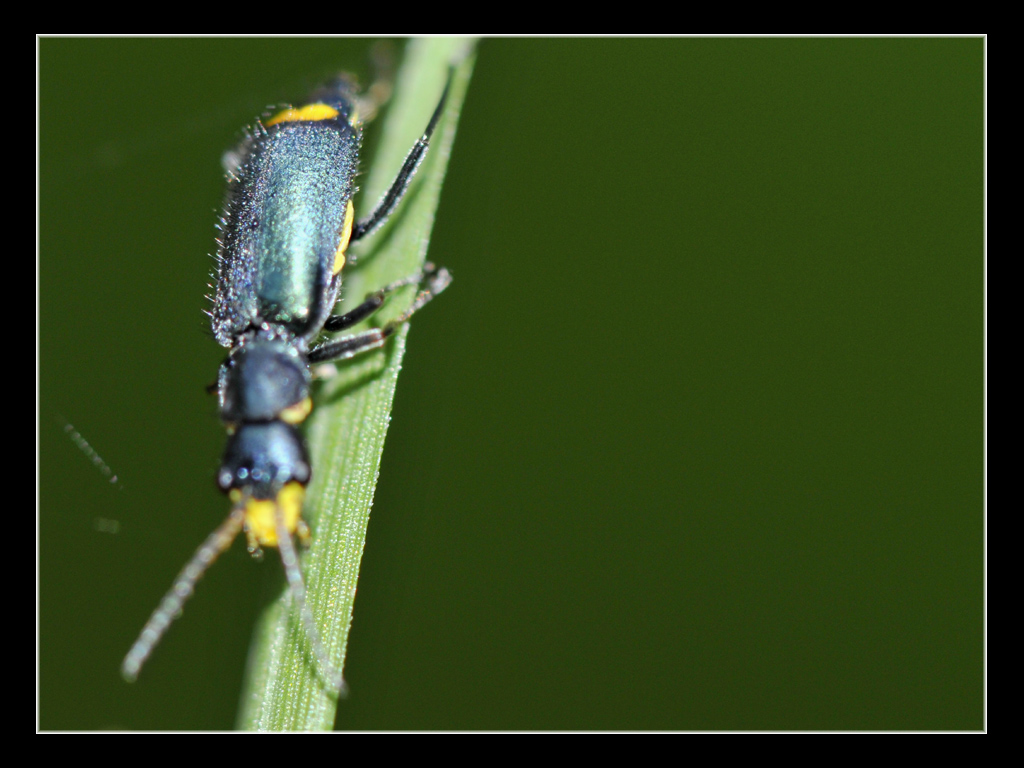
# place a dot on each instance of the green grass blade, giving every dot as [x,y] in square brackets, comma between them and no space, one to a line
[346,431]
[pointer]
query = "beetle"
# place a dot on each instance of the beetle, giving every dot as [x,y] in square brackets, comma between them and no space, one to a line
[287,224]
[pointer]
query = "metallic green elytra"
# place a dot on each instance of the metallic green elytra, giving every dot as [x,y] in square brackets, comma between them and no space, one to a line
[288,221]
[289,194]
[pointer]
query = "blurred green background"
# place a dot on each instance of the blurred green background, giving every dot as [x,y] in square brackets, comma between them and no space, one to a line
[694,441]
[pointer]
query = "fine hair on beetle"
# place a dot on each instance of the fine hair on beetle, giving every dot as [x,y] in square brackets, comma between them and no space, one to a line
[287,224]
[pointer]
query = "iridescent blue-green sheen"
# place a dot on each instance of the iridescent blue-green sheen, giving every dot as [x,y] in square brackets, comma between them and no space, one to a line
[283,223]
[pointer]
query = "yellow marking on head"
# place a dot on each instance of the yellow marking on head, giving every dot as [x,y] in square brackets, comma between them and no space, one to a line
[296,414]
[308,112]
[346,235]
[260,522]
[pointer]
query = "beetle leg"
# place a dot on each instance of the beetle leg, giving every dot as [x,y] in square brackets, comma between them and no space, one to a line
[387,204]
[436,279]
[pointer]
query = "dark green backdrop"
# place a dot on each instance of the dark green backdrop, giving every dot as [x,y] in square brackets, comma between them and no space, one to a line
[694,441]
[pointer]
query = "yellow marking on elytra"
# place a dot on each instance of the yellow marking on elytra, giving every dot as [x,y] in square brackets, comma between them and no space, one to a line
[346,235]
[308,112]
[296,414]
[260,523]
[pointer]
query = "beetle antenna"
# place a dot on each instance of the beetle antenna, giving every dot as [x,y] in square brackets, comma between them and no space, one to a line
[182,589]
[290,560]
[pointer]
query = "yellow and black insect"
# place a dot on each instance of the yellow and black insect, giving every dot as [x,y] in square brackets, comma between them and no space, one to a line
[287,223]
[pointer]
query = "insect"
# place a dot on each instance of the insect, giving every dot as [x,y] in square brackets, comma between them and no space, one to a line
[288,221]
